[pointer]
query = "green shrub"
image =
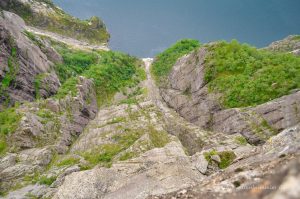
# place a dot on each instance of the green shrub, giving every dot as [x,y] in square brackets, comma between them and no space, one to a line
[246,76]
[164,62]
[75,62]
[69,87]
[114,72]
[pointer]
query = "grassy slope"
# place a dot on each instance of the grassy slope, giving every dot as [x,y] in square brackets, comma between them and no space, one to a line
[92,31]
[247,76]
[243,75]
[164,62]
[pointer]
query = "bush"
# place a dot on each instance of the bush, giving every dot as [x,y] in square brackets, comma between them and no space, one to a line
[114,72]
[246,76]
[164,62]
[75,62]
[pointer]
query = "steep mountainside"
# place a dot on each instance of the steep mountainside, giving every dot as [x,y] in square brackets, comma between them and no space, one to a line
[43,14]
[219,120]
[23,63]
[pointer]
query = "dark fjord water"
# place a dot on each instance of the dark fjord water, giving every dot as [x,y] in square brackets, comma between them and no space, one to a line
[146,27]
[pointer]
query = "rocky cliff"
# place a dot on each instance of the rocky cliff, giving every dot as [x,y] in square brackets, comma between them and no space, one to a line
[23,63]
[189,94]
[43,14]
[82,123]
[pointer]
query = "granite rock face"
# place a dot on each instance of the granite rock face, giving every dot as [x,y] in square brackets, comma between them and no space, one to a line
[188,94]
[157,171]
[22,62]
[47,128]
[268,172]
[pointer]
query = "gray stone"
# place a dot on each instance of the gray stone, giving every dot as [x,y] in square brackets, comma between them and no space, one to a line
[200,163]
[29,62]
[216,158]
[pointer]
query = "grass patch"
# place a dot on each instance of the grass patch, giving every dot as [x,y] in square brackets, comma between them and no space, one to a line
[13,69]
[227,157]
[116,120]
[9,122]
[241,140]
[69,87]
[164,62]
[75,62]
[246,76]
[37,84]
[158,138]
[105,154]
[44,180]
[33,38]
[68,162]
[127,156]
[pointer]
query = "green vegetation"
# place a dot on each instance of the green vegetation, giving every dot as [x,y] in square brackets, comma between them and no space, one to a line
[37,84]
[158,138]
[33,38]
[92,30]
[104,154]
[68,162]
[116,120]
[227,157]
[114,72]
[47,180]
[127,156]
[241,140]
[9,120]
[13,68]
[246,76]
[164,62]
[110,71]
[296,37]
[69,87]
[75,62]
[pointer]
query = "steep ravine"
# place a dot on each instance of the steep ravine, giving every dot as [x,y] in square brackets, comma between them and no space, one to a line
[106,128]
[153,152]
